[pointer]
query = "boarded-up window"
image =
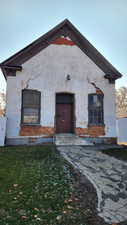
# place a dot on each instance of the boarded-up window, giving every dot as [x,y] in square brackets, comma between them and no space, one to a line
[31,107]
[95,109]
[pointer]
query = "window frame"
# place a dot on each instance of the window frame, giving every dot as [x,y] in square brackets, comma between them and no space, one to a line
[95,108]
[39,107]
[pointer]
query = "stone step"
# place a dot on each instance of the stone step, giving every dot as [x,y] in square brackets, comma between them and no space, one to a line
[70,139]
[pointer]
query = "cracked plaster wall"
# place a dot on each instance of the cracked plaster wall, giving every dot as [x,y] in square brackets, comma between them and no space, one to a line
[47,73]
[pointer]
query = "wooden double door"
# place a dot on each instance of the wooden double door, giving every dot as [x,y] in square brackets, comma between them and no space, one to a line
[64,113]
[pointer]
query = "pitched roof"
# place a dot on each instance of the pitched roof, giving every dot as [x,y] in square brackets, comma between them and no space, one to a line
[66,29]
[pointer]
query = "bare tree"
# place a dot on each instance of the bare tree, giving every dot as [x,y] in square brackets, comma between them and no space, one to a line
[2,103]
[121,102]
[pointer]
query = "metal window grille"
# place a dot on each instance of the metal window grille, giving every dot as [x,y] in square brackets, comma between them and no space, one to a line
[95,109]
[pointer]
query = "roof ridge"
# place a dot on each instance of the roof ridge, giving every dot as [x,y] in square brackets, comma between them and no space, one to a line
[68,29]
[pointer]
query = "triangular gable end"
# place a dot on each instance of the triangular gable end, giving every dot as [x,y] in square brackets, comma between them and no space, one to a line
[59,34]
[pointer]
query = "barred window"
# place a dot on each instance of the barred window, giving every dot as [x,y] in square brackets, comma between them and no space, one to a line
[95,109]
[30,107]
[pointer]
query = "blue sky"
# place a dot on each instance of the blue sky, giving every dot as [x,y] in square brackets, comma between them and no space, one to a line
[103,23]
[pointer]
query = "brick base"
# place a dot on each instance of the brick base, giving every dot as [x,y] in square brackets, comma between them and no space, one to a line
[92,131]
[36,131]
[30,130]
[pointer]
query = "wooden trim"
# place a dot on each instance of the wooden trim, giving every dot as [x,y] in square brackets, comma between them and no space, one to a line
[11,67]
[73,109]
[64,98]
[9,72]
[39,108]
[65,29]
[111,78]
[102,108]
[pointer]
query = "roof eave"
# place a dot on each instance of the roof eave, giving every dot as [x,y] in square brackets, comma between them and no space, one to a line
[11,69]
[84,44]
[112,77]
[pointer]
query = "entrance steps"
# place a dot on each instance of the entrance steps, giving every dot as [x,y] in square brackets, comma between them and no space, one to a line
[70,139]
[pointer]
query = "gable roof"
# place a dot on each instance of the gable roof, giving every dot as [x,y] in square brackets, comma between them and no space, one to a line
[66,29]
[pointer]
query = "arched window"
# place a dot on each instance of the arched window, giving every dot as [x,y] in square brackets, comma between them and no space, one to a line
[95,109]
[31,102]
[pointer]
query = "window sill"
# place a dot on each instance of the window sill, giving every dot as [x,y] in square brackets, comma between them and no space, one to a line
[28,124]
[96,125]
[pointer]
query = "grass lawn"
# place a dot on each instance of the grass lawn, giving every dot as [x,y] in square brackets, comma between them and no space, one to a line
[36,188]
[117,153]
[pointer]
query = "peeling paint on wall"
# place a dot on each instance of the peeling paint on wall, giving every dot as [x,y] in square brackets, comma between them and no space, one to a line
[98,90]
[47,72]
[92,131]
[63,41]
[36,130]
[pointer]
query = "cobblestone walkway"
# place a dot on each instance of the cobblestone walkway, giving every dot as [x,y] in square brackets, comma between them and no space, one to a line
[107,174]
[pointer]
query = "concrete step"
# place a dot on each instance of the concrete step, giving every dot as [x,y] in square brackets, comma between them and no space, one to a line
[70,139]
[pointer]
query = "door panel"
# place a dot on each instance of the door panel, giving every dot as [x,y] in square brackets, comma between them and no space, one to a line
[64,118]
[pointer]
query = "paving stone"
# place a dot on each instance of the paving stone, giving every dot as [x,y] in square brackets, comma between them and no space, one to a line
[107,174]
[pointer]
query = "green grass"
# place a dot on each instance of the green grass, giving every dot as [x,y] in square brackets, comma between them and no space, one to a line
[36,188]
[117,153]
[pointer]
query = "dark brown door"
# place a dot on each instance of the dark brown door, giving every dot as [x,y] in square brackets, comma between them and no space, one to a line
[64,118]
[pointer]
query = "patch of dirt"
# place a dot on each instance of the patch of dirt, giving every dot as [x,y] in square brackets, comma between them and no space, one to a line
[86,193]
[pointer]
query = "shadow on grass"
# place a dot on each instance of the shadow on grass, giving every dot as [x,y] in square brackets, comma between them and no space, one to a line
[117,153]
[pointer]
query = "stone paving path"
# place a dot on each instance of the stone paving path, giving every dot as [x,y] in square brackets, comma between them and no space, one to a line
[107,174]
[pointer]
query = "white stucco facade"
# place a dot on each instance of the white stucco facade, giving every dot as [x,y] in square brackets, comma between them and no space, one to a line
[47,72]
